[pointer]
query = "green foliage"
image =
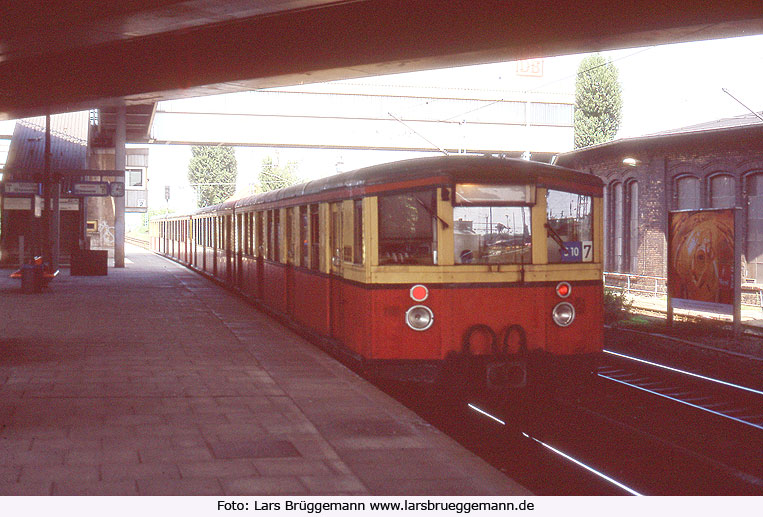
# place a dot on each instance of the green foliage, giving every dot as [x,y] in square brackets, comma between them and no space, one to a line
[212,172]
[598,101]
[274,176]
[616,305]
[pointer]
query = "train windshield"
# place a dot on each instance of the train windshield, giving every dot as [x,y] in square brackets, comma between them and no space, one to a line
[489,227]
[570,227]
[407,228]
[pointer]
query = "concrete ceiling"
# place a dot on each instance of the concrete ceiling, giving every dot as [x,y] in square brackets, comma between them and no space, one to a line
[58,56]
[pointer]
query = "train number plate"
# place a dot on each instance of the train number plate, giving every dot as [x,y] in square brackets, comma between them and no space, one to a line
[578,251]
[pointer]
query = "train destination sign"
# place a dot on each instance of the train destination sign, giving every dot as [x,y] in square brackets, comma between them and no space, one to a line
[90,188]
[21,188]
[578,251]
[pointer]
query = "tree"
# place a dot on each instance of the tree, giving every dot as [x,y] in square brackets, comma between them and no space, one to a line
[598,101]
[274,175]
[212,172]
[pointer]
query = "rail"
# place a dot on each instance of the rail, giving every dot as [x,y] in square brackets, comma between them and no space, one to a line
[135,241]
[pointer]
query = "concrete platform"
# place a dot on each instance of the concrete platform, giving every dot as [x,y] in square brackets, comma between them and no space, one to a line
[154,381]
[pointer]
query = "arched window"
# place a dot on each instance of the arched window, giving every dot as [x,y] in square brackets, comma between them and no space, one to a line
[607,216]
[687,193]
[722,191]
[633,222]
[754,248]
[617,227]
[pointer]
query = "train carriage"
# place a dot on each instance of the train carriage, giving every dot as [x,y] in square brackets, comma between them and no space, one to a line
[418,267]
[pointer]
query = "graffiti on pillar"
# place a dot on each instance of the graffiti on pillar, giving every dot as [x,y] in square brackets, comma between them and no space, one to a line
[106,233]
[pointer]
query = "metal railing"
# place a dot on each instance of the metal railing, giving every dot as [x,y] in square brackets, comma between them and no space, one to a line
[752,294]
[643,284]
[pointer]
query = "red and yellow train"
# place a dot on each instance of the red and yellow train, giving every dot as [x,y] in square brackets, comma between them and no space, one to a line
[416,268]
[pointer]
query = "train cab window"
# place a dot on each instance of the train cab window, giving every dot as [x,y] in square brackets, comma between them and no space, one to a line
[315,240]
[407,228]
[570,227]
[492,224]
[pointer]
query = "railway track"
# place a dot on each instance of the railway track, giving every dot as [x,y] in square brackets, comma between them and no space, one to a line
[642,429]
[137,242]
[720,398]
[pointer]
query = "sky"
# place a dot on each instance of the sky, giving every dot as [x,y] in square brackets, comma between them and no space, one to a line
[664,87]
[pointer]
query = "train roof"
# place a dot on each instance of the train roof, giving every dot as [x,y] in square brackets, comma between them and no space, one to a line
[454,168]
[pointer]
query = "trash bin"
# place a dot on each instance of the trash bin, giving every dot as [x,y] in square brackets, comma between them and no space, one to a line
[89,263]
[31,278]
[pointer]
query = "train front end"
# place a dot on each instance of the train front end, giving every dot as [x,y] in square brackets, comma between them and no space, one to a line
[488,281]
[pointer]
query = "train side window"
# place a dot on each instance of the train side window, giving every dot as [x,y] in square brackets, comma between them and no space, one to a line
[289,236]
[407,228]
[304,243]
[570,224]
[269,234]
[274,234]
[357,227]
[260,241]
[238,241]
[250,233]
[315,239]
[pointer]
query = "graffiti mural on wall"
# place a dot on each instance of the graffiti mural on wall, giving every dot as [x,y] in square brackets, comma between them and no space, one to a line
[701,259]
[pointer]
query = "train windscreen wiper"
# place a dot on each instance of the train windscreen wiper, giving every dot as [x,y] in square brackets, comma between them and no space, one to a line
[429,211]
[555,237]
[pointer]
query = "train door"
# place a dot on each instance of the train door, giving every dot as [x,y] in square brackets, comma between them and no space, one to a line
[215,222]
[260,251]
[335,269]
[187,241]
[240,236]
[195,247]
[290,256]
[228,243]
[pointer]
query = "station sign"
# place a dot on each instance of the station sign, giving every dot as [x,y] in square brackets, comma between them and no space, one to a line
[17,203]
[70,204]
[21,188]
[90,188]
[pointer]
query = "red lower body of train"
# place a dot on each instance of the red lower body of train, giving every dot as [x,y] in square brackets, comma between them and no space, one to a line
[503,330]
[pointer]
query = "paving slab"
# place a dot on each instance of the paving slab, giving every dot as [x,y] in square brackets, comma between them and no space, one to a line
[153,380]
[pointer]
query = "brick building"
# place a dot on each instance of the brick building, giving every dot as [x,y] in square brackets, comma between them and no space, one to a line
[712,165]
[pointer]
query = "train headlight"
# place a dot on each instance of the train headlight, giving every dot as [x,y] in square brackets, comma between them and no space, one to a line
[563,314]
[419,317]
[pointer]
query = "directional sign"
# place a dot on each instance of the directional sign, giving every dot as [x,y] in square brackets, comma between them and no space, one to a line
[117,189]
[21,188]
[90,188]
